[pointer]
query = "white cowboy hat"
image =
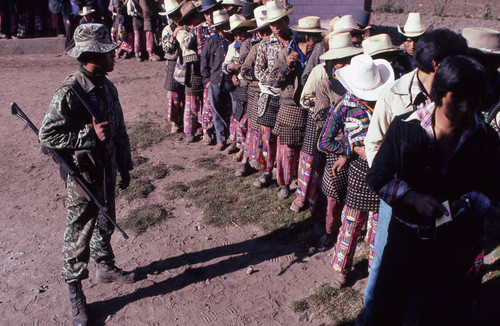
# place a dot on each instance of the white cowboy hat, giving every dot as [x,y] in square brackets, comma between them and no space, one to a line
[260,14]
[86,10]
[220,17]
[340,46]
[233,2]
[238,21]
[277,10]
[379,43]
[414,26]
[171,6]
[347,24]
[365,77]
[485,39]
[309,24]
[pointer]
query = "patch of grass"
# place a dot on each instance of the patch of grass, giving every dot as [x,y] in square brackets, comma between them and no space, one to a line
[176,167]
[139,160]
[340,306]
[228,200]
[138,188]
[145,134]
[389,7]
[140,219]
[156,172]
[488,11]
[174,190]
[207,163]
[439,6]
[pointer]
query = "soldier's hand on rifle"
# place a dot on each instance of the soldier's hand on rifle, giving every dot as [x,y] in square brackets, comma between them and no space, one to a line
[124,179]
[102,130]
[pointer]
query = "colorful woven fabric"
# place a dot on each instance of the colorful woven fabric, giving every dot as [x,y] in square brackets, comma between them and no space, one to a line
[372,230]
[287,161]
[333,215]
[359,195]
[251,144]
[174,107]
[233,126]
[290,124]
[191,108]
[242,132]
[253,100]
[304,175]
[206,120]
[266,150]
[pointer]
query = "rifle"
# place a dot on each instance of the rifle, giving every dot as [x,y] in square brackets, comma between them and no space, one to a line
[16,110]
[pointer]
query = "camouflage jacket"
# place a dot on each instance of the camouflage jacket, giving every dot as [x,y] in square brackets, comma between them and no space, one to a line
[67,125]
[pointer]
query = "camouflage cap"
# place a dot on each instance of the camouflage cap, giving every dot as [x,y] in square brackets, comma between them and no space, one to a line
[91,38]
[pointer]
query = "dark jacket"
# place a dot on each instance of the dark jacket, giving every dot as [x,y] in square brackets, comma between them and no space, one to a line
[212,57]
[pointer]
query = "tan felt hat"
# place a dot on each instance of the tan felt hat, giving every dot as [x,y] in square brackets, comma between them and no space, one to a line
[340,46]
[347,24]
[484,39]
[379,43]
[260,14]
[309,24]
[86,10]
[414,26]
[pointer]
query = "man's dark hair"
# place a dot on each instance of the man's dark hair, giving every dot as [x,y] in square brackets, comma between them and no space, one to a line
[87,57]
[437,45]
[463,76]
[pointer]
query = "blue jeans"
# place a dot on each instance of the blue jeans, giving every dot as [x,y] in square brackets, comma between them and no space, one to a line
[384,218]
[221,106]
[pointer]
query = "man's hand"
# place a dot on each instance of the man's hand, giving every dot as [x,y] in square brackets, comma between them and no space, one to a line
[236,80]
[338,165]
[360,151]
[425,205]
[208,85]
[124,179]
[102,130]
[292,59]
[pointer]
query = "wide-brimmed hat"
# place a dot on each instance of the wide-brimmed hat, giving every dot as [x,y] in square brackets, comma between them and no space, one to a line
[248,8]
[485,39]
[277,10]
[414,26]
[365,77]
[347,24]
[220,17]
[208,4]
[361,17]
[86,10]
[92,38]
[340,46]
[379,43]
[309,24]
[239,3]
[187,10]
[260,14]
[171,6]
[238,21]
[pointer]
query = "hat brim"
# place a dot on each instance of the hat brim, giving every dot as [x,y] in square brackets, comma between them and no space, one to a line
[244,24]
[201,9]
[221,23]
[190,13]
[259,28]
[346,75]
[77,51]
[334,54]
[286,13]
[166,13]
[297,28]
[415,34]
[81,13]
[394,49]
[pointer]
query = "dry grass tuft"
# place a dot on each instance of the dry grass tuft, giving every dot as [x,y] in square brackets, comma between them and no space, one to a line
[146,133]
[138,188]
[156,172]
[140,219]
[174,190]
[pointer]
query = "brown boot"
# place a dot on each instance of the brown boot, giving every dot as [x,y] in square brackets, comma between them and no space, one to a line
[111,273]
[78,304]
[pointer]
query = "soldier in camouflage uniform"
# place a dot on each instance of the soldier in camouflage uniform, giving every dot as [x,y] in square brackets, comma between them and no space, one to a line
[98,147]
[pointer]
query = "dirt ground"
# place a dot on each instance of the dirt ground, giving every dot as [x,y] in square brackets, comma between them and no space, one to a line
[190,273]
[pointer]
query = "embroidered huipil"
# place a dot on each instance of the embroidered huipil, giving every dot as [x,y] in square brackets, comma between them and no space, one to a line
[266,55]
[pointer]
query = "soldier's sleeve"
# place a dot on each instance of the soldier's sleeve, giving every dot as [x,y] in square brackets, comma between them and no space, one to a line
[121,141]
[59,129]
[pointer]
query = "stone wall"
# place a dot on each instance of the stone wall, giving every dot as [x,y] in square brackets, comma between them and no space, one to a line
[325,9]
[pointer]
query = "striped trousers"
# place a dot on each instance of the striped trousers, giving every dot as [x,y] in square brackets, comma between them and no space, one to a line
[266,150]
[287,161]
[192,106]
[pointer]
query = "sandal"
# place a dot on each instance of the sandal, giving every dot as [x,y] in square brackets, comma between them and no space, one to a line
[297,205]
[263,181]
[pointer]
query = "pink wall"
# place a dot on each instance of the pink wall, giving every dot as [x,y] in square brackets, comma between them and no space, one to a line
[325,9]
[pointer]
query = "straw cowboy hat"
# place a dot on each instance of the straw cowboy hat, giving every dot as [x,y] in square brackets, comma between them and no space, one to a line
[485,39]
[220,17]
[239,3]
[379,43]
[260,14]
[340,46]
[276,10]
[171,6]
[309,24]
[187,10]
[347,24]
[86,10]
[365,77]
[92,38]
[238,21]
[414,27]
[208,4]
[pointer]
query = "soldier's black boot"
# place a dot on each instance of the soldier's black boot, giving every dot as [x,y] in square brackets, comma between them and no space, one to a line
[107,273]
[78,304]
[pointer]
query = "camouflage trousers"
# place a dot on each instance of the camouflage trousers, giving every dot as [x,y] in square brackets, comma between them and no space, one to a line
[88,233]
